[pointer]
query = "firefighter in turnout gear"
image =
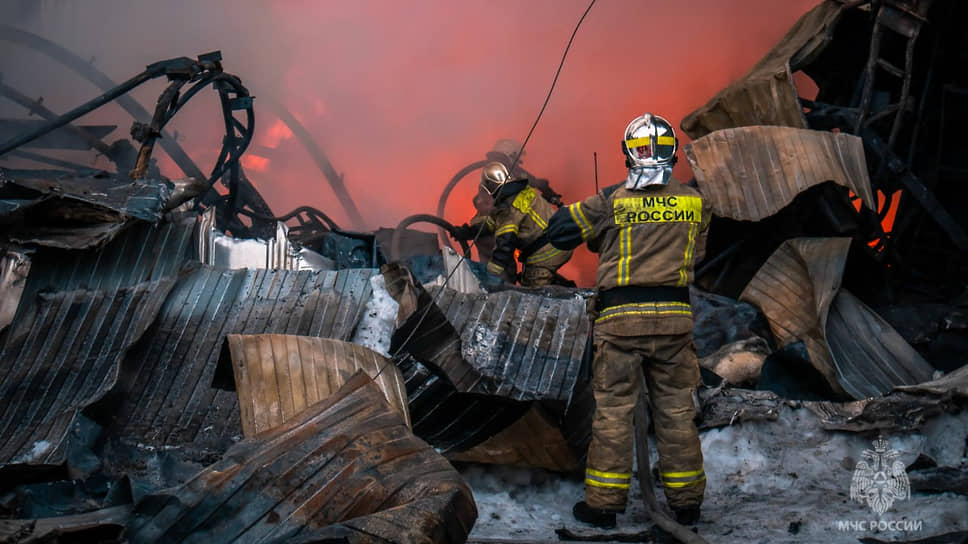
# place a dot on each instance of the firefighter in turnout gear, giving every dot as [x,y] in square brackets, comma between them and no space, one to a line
[518,220]
[649,231]
[509,153]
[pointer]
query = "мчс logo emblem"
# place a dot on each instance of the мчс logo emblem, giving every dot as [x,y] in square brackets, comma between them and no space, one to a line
[880,478]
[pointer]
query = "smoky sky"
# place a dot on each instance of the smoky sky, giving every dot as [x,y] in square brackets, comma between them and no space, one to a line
[401,95]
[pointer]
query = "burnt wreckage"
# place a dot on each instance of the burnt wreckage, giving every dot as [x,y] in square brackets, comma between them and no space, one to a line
[177,362]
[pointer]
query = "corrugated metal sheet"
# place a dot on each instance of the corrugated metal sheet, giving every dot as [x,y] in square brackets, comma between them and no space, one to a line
[870,356]
[531,441]
[448,420]
[767,95]
[528,346]
[166,389]
[143,252]
[346,469]
[798,290]
[14,267]
[279,375]
[514,344]
[62,356]
[750,173]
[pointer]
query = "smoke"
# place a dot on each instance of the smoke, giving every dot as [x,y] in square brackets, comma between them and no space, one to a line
[401,95]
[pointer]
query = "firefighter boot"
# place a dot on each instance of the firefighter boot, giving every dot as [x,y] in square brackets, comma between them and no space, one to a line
[593,516]
[687,516]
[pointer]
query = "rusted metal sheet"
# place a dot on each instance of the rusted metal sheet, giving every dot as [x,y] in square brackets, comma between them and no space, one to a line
[279,375]
[897,412]
[515,344]
[14,267]
[60,357]
[767,94]
[531,441]
[750,173]
[858,353]
[346,469]
[167,389]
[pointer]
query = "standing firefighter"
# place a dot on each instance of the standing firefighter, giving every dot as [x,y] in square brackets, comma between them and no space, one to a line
[518,220]
[648,233]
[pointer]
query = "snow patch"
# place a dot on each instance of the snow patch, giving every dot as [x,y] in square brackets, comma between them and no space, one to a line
[379,318]
[479,346]
[769,481]
[36,453]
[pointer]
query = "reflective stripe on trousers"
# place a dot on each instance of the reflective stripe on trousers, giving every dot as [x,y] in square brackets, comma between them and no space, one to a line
[615,480]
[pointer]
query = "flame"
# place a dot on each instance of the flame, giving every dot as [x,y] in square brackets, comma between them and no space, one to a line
[887,224]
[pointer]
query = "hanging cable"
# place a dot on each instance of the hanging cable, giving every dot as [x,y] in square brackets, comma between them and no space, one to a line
[514,163]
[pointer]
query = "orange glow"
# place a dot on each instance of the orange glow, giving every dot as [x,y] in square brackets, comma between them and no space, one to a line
[277,133]
[255,163]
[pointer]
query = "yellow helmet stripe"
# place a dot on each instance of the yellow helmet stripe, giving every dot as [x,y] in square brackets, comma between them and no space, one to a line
[647,140]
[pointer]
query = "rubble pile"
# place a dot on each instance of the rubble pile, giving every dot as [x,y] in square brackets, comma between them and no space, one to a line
[177,363]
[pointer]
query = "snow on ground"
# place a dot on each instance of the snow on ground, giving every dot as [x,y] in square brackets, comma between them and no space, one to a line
[780,481]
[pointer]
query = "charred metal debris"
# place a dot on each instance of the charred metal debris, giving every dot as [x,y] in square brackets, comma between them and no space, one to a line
[179,363]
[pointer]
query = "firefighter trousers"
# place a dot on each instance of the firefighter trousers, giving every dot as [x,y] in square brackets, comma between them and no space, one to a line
[671,375]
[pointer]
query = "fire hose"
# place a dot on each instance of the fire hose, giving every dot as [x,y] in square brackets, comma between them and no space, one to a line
[423,218]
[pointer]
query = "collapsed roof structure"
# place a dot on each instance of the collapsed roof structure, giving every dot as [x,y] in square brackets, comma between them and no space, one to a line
[179,363]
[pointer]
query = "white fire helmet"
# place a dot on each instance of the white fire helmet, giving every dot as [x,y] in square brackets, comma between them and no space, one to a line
[650,147]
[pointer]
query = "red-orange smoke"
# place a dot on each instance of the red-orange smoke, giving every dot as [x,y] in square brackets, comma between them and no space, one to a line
[401,95]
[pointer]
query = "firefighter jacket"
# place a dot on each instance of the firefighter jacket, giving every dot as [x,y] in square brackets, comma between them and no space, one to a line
[648,241]
[518,220]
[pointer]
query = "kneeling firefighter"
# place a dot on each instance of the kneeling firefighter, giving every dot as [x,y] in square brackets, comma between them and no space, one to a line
[518,220]
[649,231]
